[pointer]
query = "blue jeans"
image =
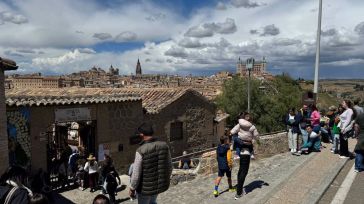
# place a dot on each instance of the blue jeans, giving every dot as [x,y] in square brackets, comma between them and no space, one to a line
[304,135]
[335,142]
[313,144]
[144,199]
[359,157]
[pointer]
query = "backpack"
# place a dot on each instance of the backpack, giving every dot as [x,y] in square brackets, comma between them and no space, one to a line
[6,197]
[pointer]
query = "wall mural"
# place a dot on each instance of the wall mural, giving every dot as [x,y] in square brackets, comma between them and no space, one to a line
[19,137]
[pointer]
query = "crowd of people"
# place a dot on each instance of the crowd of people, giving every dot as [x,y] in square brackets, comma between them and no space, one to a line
[316,127]
[151,171]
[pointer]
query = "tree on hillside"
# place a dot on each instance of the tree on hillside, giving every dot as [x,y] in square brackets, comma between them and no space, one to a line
[270,100]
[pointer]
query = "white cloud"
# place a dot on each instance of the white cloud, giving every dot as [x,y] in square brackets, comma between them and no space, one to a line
[102,36]
[126,36]
[220,6]
[208,29]
[12,18]
[245,3]
[67,58]
[347,62]
[192,42]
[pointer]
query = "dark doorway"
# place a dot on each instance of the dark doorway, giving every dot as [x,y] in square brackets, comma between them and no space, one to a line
[67,138]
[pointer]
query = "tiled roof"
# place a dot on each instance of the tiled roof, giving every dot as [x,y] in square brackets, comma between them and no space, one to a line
[153,99]
[65,96]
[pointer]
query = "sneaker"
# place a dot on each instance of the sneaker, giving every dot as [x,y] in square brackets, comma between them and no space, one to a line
[356,170]
[343,157]
[237,196]
[216,193]
[233,189]
[252,157]
[298,153]
[236,157]
[332,151]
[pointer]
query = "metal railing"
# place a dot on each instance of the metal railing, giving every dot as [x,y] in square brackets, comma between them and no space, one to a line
[194,154]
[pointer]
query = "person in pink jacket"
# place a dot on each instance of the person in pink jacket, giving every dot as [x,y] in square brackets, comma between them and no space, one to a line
[315,119]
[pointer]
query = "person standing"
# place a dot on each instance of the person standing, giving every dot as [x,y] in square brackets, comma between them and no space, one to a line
[304,116]
[345,127]
[91,167]
[152,167]
[359,148]
[315,119]
[225,164]
[292,122]
[247,132]
[359,110]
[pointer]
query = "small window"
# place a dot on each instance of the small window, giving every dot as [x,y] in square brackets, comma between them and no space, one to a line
[176,132]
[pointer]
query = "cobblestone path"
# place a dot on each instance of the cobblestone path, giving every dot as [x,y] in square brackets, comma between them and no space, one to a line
[282,178]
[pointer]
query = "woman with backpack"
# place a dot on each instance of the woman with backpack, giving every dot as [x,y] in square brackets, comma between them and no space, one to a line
[12,186]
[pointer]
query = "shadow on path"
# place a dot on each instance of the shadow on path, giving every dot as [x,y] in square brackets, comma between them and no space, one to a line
[59,199]
[254,185]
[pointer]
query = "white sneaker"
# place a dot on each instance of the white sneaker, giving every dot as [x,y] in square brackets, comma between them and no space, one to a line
[343,157]
[252,157]
[356,171]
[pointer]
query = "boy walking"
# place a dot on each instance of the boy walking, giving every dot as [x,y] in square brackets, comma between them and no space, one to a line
[225,164]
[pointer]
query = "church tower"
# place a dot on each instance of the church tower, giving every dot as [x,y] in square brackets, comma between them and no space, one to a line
[138,70]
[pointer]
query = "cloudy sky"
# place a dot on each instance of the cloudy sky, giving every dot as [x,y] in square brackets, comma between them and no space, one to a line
[182,36]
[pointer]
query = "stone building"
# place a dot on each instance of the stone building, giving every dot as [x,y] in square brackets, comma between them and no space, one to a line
[108,118]
[259,68]
[5,64]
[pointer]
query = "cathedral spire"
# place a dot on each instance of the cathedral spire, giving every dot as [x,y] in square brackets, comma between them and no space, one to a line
[138,70]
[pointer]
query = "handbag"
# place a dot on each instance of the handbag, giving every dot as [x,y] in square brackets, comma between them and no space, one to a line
[348,134]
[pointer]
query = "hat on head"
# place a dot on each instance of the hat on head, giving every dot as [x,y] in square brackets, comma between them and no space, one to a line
[91,157]
[146,129]
[332,108]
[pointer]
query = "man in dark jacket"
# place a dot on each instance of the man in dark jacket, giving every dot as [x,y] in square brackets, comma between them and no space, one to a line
[152,167]
[359,148]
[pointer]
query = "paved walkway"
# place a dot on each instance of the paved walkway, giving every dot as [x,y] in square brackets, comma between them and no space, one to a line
[308,184]
[355,194]
[283,178]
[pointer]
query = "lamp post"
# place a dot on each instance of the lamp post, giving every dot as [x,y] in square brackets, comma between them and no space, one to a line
[317,63]
[249,67]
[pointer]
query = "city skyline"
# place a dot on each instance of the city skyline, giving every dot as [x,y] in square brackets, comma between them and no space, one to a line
[197,37]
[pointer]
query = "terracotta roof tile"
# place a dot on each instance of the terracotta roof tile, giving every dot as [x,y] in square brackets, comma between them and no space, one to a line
[153,99]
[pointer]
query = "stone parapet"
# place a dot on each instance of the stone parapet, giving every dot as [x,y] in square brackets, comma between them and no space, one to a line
[272,144]
[267,146]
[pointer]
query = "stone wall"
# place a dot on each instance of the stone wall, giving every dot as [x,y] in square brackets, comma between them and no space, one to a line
[3,135]
[269,145]
[197,116]
[116,123]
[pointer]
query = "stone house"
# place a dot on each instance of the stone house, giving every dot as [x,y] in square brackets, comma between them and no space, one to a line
[42,120]
[5,64]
